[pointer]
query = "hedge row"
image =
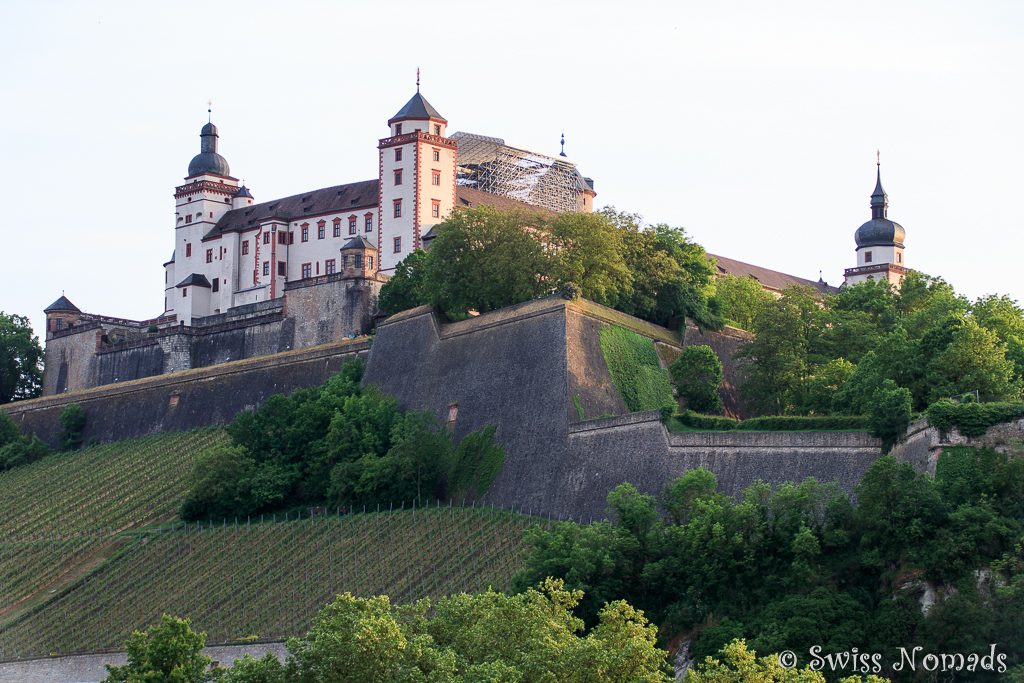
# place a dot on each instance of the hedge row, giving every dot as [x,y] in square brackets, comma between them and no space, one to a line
[972,419]
[774,423]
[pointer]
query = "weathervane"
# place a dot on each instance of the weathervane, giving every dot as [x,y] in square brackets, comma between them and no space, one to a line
[562,153]
[417,79]
[878,157]
[209,111]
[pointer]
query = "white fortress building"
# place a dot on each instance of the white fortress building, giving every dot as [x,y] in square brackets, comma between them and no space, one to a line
[230,251]
[248,279]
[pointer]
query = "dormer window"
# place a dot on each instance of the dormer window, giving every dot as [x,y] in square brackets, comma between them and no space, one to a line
[437,129]
[398,129]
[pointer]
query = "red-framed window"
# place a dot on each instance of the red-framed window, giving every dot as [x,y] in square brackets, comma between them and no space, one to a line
[436,155]
[435,208]
[398,176]
[321,230]
[209,255]
[398,245]
[266,238]
[266,268]
[337,227]
[330,266]
[188,249]
[435,177]
[351,225]
[398,208]
[305,232]
[368,222]
[307,270]
[398,153]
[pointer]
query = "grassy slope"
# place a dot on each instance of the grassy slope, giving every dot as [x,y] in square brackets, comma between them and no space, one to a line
[269,579]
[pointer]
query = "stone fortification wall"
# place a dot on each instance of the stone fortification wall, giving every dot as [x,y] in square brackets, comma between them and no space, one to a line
[521,367]
[923,444]
[185,400]
[312,312]
[637,448]
[91,668]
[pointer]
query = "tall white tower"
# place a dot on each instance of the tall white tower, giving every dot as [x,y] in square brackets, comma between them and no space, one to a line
[417,179]
[189,277]
[879,243]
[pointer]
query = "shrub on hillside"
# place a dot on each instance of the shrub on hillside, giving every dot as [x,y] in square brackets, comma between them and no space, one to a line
[784,423]
[72,424]
[338,444]
[891,408]
[715,423]
[169,652]
[697,375]
[972,419]
[15,449]
[475,464]
[635,369]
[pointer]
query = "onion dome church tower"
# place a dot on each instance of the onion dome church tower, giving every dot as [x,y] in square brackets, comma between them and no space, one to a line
[879,243]
[193,276]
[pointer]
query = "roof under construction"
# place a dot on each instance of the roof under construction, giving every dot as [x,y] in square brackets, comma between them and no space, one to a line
[488,164]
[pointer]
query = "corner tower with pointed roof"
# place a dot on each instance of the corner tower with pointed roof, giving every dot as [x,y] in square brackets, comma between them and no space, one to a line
[879,243]
[417,179]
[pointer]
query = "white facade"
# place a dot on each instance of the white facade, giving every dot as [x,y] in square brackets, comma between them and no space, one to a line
[230,251]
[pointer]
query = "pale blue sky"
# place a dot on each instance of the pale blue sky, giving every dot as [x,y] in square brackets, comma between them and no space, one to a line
[753,125]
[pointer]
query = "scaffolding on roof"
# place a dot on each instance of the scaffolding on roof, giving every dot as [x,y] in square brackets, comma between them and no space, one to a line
[490,165]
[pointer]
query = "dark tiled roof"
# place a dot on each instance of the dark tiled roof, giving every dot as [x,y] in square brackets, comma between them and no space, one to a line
[359,242]
[772,279]
[61,304]
[194,279]
[470,197]
[335,199]
[417,108]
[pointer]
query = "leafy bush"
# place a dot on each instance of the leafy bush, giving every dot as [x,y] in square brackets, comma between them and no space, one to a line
[15,449]
[708,422]
[972,419]
[72,423]
[337,444]
[891,407]
[697,375]
[783,423]
[169,652]
[636,372]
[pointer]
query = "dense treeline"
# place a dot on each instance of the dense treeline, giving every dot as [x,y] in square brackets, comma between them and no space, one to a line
[487,637]
[802,566]
[339,445]
[872,347]
[17,449]
[483,259]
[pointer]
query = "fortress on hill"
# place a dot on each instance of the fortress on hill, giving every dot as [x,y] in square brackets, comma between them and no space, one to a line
[248,279]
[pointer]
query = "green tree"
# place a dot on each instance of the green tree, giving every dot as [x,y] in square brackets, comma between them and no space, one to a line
[483,259]
[741,300]
[248,669]
[588,253]
[776,379]
[738,664]
[72,424]
[1002,315]
[973,360]
[405,290]
[21,358]
[824,384]
[170,652]
[697,375]
[890,412]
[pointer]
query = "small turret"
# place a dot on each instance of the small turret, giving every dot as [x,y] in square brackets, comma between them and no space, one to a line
[241,198]
[208,160]
[61,315]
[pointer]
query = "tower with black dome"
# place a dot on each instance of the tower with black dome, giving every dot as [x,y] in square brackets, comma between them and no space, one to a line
[879,243]
[192,285]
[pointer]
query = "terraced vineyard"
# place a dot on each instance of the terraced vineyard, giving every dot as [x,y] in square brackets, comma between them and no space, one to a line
[268,579]
[113,486]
